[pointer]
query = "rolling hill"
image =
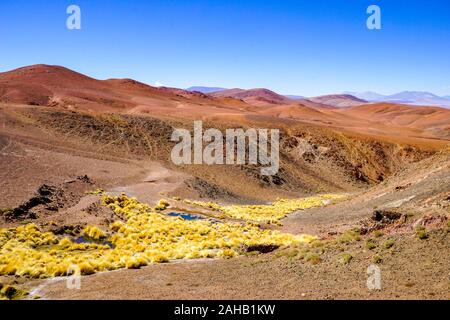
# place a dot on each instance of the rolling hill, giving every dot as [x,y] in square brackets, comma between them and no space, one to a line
[338,100]
[205,89]
[56,86]
[258,96]
[406,97]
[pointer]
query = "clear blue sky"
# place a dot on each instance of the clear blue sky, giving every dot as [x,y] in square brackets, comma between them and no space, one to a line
[293,47]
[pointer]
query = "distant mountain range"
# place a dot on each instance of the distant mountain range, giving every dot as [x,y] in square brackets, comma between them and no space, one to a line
[406,97]
[262,96]
[339,100]
[257,96]
[294,97]
[346,99]
[368,95]
[61,88]
[232,92]
[205,89]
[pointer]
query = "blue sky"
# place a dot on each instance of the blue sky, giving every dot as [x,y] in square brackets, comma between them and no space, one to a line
[292,47]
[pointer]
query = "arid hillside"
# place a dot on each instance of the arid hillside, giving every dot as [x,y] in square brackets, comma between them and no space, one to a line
[358,184]
[323,148]
[55,86]
[312,159]
[338,100]
[258,96]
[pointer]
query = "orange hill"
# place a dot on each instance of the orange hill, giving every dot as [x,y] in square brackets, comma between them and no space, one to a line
[60,87]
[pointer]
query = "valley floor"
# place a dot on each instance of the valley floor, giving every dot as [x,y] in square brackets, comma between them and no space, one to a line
[411,269]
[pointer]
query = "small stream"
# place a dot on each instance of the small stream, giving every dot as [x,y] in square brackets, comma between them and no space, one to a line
[185,216]
[83,239]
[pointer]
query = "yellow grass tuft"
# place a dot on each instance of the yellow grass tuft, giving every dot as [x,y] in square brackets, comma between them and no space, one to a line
[144,237]
[162,204]
[94,232]
[272,213]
